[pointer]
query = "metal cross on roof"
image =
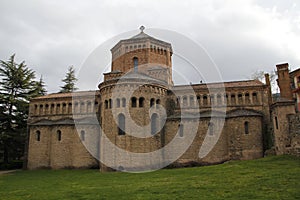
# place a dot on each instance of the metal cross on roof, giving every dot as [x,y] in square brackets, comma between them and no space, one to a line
[142,28]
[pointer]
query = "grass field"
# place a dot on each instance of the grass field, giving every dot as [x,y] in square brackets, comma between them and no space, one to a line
[267,178]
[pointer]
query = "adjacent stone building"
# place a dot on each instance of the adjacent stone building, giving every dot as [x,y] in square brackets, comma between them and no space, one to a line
[139,85]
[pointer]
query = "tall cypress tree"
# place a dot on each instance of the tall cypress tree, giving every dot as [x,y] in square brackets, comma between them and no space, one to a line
[17,86]
[69,81]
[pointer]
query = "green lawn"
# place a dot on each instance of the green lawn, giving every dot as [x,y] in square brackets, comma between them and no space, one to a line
[267,178]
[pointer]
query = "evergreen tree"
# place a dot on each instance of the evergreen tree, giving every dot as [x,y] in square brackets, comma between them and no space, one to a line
[69,81]
[40,89]
[17,86]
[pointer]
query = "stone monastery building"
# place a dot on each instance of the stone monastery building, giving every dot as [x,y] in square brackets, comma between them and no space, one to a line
[241,121]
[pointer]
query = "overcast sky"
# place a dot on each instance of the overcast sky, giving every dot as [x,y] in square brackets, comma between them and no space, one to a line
[241,37]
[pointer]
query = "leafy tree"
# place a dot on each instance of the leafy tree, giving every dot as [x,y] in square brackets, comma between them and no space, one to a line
[17,86]
[69,81]
[260,75]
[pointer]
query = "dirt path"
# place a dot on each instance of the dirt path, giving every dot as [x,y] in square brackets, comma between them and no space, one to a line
[8,171]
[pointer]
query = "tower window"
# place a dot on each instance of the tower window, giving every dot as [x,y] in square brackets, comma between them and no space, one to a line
[141,102]
[276,122]
[38,136]
[123,102]
[154,124]
[180,130]
[58,135]
[118,103]
[135,64]
[133,102]
[152,102]
[246,126]
[121,124]
[82,135]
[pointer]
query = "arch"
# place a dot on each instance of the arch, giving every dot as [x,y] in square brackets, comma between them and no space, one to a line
[240,98]
[64,108]
[219,99]
[247,98]
[192,102]
[82,135]
[154,123]
[135,64]
[141,102]
[152,102]
[212,99]
[181,127]
[41,109]
[178,101]
[69,108]
[157,102]
[38,135]
[205,101]
[110,102]
[246,127]
[52,108]
[82,107]
[184,101]
[58,134]
[123,102]
[276,122]
[118,103]
[89,107]
[121,124]
[232,99]
[106,104]
[254,97]
[58,108]
[133,102]
[47,109]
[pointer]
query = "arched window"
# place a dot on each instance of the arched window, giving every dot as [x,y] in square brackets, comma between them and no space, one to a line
[118,103]
[219,99]
[246,127]
[157,102]
[180,126]
[154,124]
[240,98]
[232,99]
[106,104]
[152,102]
[38,136]
[69,108]
[276,122]
[89,107]
[58,134]
[212,99]
[247,98]
[110,102]
[135,64]
[254,96]
[64,108]
[211,128]
[57,108]
[82,135]
[184,99]
[141,102]
[121,124]
[123,102]
[82,107]
[133,102]
[205,100]
[192,101]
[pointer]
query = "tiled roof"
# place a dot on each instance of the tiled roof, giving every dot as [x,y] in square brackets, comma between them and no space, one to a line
[66,95]
[246,83]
